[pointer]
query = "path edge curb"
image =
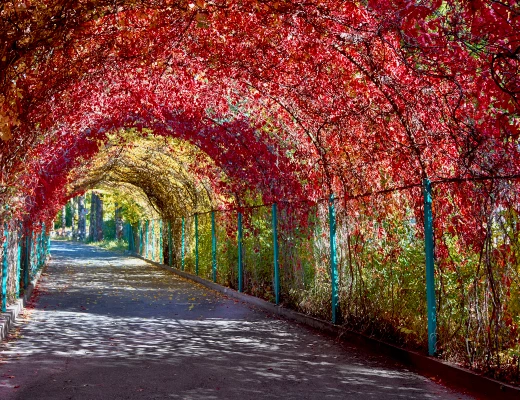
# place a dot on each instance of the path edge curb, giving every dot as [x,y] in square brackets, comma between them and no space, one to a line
[440,371]
[8,318]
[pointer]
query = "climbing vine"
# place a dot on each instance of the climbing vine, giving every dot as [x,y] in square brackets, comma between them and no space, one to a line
[288,100]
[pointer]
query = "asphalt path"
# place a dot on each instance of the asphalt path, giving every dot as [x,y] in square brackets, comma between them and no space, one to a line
[106,326]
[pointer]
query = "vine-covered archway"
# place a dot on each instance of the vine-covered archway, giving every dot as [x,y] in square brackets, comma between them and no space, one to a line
[292,102]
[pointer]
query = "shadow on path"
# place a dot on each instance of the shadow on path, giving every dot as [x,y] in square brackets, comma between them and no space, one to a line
[106,326]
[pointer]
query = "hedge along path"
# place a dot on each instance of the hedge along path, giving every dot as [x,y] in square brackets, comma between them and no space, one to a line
[107,326]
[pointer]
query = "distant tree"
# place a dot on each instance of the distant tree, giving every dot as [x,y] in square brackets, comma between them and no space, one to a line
[74,217]
[82,222]
[63,220]
[95,233]
[99,218]
[92,218]
[119,221]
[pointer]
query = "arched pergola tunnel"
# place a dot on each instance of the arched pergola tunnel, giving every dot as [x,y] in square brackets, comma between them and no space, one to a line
[289,104]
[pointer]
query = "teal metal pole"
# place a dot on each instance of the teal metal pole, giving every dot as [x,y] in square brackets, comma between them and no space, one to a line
[183,239]
[38,251]
[44,245]
[240,261]
[40,241]
[430,278]
[36,254]
[161,251]
[129,229]
[140,233]
[133,237]
[28,244]
[333,260]
[275,254]
[48,236]
[196,244]
[40,248]
[146,239]
[170,244]
[5,268]
[18,265]
[132,240]
[153,240]
[213,247]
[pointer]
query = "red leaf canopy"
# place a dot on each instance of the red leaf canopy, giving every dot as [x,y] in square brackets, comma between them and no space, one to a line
[294,100]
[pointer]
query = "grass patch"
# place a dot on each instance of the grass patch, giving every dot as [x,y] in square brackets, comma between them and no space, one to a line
[112,245]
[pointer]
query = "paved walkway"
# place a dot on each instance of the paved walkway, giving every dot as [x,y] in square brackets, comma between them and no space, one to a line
[103,326]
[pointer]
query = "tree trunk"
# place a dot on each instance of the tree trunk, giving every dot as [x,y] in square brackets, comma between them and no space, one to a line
[82,221]
[99,219]
[73,207]
[92,217]
[63,219]
[119,222]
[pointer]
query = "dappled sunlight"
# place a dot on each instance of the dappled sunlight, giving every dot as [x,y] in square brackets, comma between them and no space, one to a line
[94,325]
[130,338]
[394,115]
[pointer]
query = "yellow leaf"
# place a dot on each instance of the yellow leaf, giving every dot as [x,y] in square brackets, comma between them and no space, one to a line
[5,127]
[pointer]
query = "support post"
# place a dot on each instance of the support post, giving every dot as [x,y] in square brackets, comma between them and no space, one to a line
[213,247]
[183,241]
[132,236]
[140,233]
[153,240]
[129,230]
[39,263]
[275,254]
[430,278]
[146,247]
[44,245]
[35,250]
[240,261]
[161,250]
[28,245]
[48,236]
[196,244]
[5,268]
[333,260]
[18,264]
[38,250]
[170,244]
